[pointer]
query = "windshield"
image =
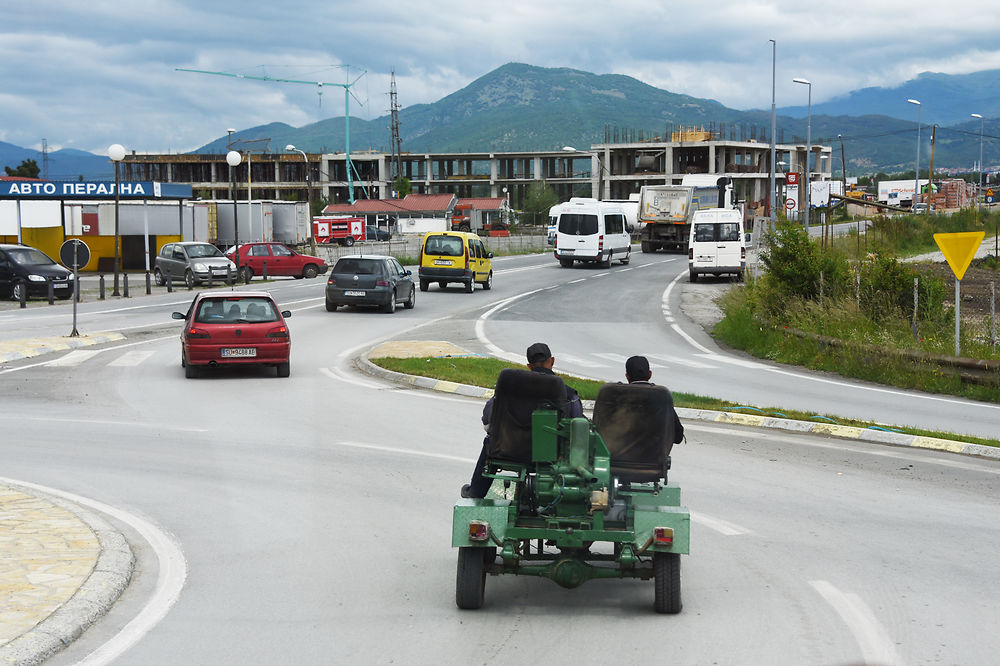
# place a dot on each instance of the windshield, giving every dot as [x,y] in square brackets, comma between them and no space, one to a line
[29,256]
[232,310]
[203,250]
[358,266]
[706,232]
[576,224]
[444,246]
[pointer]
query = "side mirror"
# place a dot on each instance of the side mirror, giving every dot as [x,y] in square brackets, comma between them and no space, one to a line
[286,313]
[489,255]
[408,273]
[177,315]
[748,238]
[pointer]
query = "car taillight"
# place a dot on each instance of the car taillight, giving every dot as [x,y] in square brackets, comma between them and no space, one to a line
[280,332]
[600,243]
[690,253]
[663,536]
[381,283]
[466,254]
[743,253]
[479,530]
[332,279]
[197,333]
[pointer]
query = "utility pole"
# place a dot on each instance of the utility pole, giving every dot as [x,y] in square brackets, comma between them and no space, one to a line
[397,158]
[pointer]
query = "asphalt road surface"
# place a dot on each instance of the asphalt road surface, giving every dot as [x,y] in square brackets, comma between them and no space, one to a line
[314,513]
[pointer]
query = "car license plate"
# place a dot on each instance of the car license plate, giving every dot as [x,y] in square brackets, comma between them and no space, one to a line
[354,293]
[442,262]
[62,285]
[239,352]
[567,251]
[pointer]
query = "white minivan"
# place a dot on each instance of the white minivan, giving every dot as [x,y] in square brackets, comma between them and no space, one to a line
[591,231]
[717,245]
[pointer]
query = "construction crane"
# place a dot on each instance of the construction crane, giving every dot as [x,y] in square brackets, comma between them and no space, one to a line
[347,110]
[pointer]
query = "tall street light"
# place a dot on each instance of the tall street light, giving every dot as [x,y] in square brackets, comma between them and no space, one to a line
[916,176]
[980,194]
[233,159]
[116,152]
[774,201]
[309,196]
[808,146]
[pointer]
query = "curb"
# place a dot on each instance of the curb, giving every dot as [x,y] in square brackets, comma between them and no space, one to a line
[15,350]
[107,581]
[829,429]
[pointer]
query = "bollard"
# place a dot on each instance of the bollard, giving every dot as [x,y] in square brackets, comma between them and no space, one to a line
[24,295]
[51,290]
[125,285]
[101,288]
[246,276]
[149,286]
[263,273]
[170,284]
[209,278]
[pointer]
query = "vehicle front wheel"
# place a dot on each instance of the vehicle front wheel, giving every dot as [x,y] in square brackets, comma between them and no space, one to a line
[349,241]
[470,583]
[412,300]
[424,285]
[310,271]
[189,279]
[667,572]
[488,283]
[158,277]
[17,288]
[284,369]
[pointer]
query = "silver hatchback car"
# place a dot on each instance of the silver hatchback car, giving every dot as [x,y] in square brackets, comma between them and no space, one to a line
[193,262]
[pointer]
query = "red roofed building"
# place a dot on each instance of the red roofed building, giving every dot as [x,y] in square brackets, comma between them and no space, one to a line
[464,214]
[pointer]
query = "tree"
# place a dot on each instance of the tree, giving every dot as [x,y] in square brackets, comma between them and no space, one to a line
[28,169]
[402,186]
[539,198]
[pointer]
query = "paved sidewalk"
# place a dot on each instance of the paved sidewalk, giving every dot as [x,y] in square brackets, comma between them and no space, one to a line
[61,568]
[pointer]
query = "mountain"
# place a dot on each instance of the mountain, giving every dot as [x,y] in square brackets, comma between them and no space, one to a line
[946,99]
[64,164]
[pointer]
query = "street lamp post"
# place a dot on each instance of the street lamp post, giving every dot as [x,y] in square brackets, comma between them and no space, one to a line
[233,159]
[808,147]
[309,197]
[117,153]
[916,176]
[980,193]
[774,201]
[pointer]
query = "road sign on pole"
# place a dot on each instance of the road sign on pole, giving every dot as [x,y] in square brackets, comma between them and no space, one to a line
[790,204]
[74,253]
[959,249]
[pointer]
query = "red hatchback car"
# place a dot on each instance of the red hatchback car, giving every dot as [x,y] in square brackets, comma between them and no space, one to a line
[234,328]
[280,260]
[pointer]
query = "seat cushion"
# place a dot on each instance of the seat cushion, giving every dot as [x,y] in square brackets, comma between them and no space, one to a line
[519,393]
[636,423]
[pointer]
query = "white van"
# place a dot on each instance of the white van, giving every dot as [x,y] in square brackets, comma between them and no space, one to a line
[717,245]
[592,231]
[553,223]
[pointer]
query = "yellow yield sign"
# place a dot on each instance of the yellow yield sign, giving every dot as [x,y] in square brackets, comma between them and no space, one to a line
[959,249]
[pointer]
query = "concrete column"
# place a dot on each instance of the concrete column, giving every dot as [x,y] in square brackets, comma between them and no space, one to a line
[712,166]
[537,164]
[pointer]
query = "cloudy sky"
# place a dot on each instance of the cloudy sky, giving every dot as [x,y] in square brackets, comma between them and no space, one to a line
[87,74]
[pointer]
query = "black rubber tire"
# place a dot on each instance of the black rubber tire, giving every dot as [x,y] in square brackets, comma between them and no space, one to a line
[189,279]
[606,263]
[470,581]
[566,263]
[284,369]
[412,300]
[488,284]
[424,285]
[739,276]
[442,284]
[692,276]
[331,307]
[628,258]
[646,246]
[667,574]
[470,286]
[390,307]
[190,371]
[15,289]
[310,271]
[65,294]
[246,274]
[158,277]
[349,241]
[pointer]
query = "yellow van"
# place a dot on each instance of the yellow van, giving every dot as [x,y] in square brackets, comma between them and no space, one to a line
[454,256]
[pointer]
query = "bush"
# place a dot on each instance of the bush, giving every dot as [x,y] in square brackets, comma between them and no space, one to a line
[794,265]
[887,290]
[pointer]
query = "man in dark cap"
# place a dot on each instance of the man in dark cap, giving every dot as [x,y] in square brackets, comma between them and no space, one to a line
[540,359]
[637,372]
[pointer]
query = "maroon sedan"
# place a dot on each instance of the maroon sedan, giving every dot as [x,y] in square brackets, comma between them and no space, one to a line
[279,260]
[234,328]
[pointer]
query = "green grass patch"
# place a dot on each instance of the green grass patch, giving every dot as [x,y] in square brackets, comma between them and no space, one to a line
[483,371]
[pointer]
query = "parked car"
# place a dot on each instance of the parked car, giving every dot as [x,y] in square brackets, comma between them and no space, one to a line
[455,256]
[24,269]
[234,328]
[280,260]
[370,280]
[193,262]
[373,233]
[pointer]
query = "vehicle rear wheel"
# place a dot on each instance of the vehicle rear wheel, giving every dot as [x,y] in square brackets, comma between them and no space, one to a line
[284,369]
[189,280]
[566,263]
[349,241]
[331,307]
[739,276]
[470,286]
[646,246]
[470,583]
[692,276]
[667,571]
[488,284]
[310,271]
[424,285]
[158,277]
[412,300]
[606,263]
[190,371]
[390,307]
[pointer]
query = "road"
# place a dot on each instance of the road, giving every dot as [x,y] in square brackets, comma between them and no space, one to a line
[313,513]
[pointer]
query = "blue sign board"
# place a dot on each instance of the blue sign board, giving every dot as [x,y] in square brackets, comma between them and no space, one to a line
[54,189]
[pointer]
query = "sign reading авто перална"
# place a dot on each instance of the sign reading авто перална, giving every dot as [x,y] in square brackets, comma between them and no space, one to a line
[53,189]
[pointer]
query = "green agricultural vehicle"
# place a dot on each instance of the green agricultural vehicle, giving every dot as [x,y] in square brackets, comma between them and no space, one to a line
[572,499]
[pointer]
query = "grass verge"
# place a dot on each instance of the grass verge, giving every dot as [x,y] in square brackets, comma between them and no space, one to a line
[483,371]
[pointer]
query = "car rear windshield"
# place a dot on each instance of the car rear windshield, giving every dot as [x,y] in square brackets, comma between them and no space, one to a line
[248,309]
[577,224]
[358,266]
[29,256]
[711,232]
[444,246]
[203,250]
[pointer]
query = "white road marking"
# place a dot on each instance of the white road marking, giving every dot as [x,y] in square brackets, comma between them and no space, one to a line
[172,572]
[75,357]
[579,360]
[676,360]
[406,452]
[105,423]
[876,645]
[723,527]
[599,274]
[131,358]
[481,328]
[96,351]
[575,281]
[618,359]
